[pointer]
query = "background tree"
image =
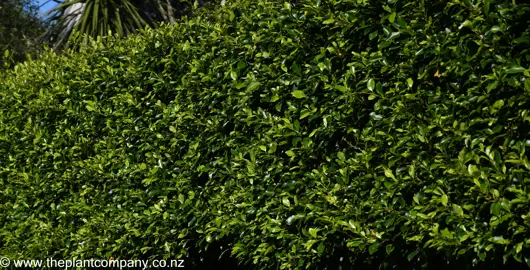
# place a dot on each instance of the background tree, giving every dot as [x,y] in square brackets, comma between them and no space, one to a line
[97,17]
[21,30]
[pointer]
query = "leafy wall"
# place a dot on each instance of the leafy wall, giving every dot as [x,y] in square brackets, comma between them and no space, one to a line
[370,133]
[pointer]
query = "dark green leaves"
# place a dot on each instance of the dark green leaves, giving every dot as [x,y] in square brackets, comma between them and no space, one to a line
[487,6]
[411,255]
[373,248]
[336,138]
[296,68]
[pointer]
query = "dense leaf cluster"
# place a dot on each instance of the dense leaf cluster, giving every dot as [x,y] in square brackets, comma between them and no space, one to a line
[373,133]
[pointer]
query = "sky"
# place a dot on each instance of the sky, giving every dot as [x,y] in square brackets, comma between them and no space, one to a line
[47,6]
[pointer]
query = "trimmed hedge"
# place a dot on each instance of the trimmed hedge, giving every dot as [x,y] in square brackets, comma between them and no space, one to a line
[366,133]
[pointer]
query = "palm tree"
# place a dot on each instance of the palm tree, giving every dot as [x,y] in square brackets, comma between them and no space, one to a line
[98,17]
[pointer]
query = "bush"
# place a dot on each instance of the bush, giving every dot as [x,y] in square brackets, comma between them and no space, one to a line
[377,134]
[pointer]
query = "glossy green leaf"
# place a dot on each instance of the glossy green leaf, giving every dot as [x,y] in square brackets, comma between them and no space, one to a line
[392,17]
[373,248]
[253,86]
[313,232]
[298,94]
[514,69]
[410,82]
[286,202]
[444,199]
[371,84]
[411,255]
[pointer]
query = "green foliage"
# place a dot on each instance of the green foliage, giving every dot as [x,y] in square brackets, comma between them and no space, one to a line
[378,134]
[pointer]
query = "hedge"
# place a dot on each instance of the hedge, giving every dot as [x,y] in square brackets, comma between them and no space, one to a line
[312,134]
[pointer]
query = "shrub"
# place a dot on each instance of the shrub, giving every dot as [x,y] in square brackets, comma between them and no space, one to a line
[378,134]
